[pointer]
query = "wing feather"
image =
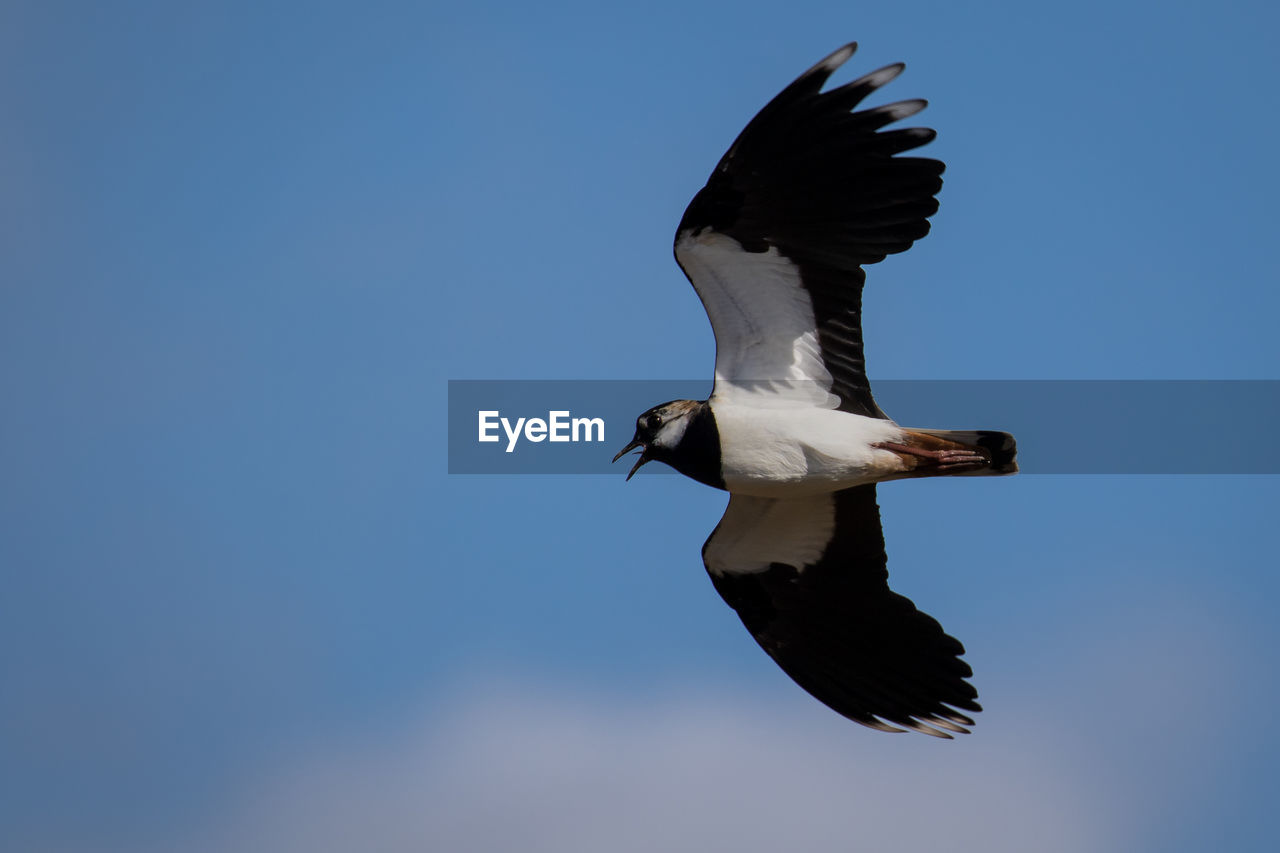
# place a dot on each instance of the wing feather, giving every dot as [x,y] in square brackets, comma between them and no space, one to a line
[808,576]
[776,241]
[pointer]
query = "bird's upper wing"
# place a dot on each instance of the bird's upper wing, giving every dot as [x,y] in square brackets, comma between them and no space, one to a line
[775,242]
[807,575]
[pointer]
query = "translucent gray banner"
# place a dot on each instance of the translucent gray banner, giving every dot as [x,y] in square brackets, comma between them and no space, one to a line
[1062,426]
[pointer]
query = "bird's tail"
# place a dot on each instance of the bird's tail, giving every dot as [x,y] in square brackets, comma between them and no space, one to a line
[999,448]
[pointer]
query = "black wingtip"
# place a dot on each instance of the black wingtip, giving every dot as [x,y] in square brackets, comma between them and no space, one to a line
[812,80]
[835,59]
[881,76]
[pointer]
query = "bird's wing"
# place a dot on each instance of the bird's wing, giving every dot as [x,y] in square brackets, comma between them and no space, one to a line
[775,242]
[807,575]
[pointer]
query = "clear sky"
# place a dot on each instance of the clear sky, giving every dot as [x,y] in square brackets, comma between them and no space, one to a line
[243,247]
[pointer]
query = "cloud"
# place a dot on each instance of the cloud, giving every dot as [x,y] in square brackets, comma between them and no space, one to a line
[518,769]
[534,767]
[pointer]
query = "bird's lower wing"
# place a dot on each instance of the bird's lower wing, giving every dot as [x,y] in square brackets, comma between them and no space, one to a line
[808,577]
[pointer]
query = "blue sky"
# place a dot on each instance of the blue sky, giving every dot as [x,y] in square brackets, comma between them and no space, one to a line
[243,247]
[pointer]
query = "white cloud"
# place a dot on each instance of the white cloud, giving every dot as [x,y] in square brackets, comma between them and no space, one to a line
[511,769]
[509,766]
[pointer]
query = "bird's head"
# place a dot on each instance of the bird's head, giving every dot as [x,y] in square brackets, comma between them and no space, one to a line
[659,432]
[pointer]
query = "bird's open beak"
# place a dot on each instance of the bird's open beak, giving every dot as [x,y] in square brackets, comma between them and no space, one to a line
[644,457]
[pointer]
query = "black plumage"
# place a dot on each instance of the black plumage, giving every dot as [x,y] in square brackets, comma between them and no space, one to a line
[824,186]
[837,629]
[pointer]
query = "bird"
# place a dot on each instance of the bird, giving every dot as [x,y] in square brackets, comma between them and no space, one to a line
[775,244]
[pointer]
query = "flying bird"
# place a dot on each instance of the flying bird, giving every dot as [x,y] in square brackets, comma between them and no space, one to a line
[811,192]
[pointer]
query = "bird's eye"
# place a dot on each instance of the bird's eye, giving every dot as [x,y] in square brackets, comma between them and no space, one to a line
[651,421]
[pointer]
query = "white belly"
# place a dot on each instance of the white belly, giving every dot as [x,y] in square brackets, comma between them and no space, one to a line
[802,450]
